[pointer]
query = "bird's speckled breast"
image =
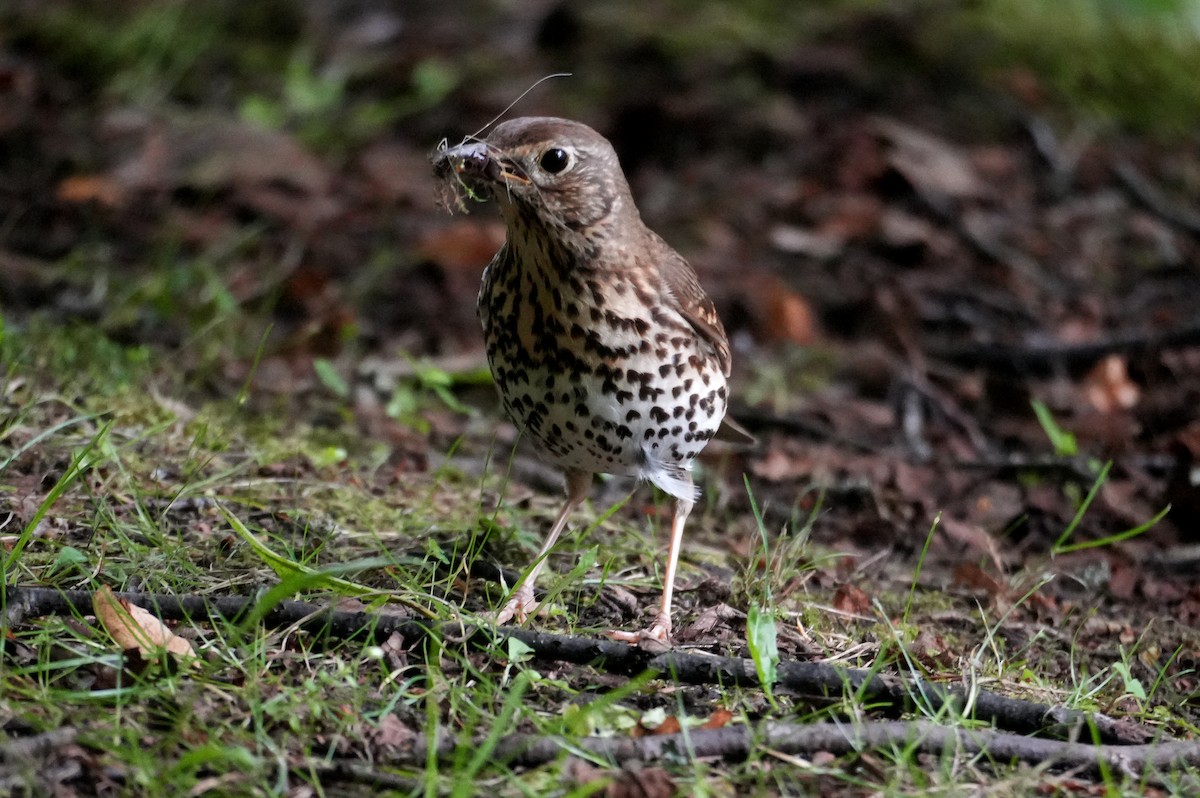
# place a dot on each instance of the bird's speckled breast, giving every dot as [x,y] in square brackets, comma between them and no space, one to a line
[600,376]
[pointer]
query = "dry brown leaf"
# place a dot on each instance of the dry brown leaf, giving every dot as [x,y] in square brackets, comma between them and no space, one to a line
[779,466]
[642,783]
[1123,580]
[709,619]
[789,318]
[670,725]
[933,166]
[851,600]
[862,162]
[393,734]
[974,536]
[931,649]
[970,575]
[802,241]
[89,188]
[718,720]
[851,217]
[580,771]
[135,628]
[901,230]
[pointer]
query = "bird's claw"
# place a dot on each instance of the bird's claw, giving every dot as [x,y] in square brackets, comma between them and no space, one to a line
[656,637]
[520,606]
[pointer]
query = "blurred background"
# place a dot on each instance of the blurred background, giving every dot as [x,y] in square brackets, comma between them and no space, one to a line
[952,242]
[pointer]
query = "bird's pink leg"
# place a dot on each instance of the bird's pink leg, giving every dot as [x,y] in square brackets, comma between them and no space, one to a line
[522,603]
[660,630]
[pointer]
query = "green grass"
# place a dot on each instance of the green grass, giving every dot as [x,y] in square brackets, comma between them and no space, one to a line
[1114,63]
[113,485]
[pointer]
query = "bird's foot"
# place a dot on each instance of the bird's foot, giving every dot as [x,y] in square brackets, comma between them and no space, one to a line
[520,606]
[657,637]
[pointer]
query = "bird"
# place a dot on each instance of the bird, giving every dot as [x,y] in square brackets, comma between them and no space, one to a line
[606,352]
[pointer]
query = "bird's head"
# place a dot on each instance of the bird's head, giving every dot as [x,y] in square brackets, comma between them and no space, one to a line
[562,173]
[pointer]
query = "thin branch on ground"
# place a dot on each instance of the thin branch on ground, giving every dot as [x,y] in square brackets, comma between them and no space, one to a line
[814,681]
[344,771]
[37,746]
[738,742]
[1044,357]
[759,421]
[1153,199]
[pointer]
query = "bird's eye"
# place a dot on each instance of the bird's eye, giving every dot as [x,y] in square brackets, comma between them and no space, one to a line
[554,160]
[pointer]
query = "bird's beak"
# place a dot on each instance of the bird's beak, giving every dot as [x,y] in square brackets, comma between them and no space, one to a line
[474,160]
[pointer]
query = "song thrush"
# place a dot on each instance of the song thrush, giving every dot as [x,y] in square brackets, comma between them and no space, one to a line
[606,352]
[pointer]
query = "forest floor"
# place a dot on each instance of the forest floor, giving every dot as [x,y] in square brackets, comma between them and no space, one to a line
[241,363]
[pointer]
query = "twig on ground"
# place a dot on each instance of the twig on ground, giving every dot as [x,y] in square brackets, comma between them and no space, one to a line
[351,772]
[812,680]
[759,421]
[1043,357]
[1154,200]
[1076,467]
[37,746]
[737,742]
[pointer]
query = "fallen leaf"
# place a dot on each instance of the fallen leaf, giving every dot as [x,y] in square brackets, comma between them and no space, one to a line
[972,576]
[851,600]
[789,317]
[851,217]
[718,720]
[934,167]
[393,734]
[800,241]
[642,783]
[901,230]
[931,649]
[580,771]
[778,465]
[862,161]
[647,726]
[89,188]
[135,628]
[974,536]
[268,169]
[709,619]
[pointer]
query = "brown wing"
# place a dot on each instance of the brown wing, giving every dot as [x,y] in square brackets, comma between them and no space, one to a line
[695,306]
[700,312]
[691,301]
